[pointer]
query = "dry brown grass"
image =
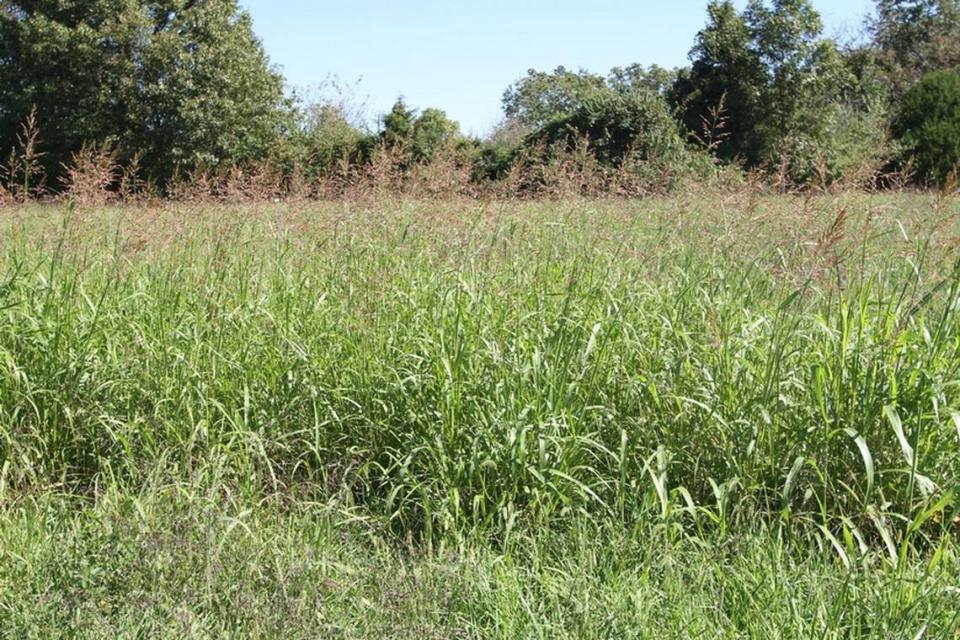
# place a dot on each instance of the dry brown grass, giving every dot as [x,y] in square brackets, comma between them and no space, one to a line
[92,175]
[23,173]
[96,178]
[800,236]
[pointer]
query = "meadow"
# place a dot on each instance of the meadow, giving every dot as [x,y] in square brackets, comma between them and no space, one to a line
[719,414]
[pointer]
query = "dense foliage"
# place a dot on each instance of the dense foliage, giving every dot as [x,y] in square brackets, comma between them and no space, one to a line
[172,87]
[715,415]
[929,125]
[915,37]
[618,127]
[421,135]
[177,83]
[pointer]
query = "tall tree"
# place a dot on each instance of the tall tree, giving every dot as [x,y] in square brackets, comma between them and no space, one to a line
[786,41]
[769,84]
[914,37]
[720,96]
[178,82]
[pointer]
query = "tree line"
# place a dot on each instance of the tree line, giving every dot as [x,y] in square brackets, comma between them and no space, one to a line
[167,88]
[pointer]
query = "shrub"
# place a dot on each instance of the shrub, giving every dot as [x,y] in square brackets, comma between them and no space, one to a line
[331,143]
[840,130]
[539,97]
[433,132]
[497,152]
[929,125]
[636,124]
[627,142]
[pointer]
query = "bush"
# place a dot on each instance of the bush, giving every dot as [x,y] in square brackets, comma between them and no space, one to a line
[497,152]
[433,131]
[332,143]
[929,125]
[612,142]
[637,124]
[841,130]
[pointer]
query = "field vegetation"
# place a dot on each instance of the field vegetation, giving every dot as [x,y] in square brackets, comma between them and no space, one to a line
[729,414]
[667,353]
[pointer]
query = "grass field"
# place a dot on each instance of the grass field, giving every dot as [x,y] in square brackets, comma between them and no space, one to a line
[720,415]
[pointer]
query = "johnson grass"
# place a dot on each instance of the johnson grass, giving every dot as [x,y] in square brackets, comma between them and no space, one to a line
[708,416]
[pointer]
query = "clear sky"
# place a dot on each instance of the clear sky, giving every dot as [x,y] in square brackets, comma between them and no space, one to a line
[460,55]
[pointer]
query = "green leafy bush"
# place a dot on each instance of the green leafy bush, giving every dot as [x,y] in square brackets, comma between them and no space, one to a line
[331,142]
[539,97]
[840,128]
[419,135]
[637,124]
[497,152]
[929,125]
[433,131]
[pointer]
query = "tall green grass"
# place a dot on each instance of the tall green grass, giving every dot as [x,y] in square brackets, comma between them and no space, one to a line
[460,376]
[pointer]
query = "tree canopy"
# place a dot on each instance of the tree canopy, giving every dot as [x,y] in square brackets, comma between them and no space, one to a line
[175,85]
[914,37]
[179,83]
[929,124]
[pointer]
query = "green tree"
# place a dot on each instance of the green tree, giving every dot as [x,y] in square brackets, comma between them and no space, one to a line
[432,131]
[786,41]
[722,90]
[764,87]
[914,37]
[419,135]
[398,124]
[928,124]
[653,78]
[838,125]
[179,82]
[327,141]
[540,97]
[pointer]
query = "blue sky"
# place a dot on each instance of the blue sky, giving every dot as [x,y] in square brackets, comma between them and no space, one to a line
[460,55]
